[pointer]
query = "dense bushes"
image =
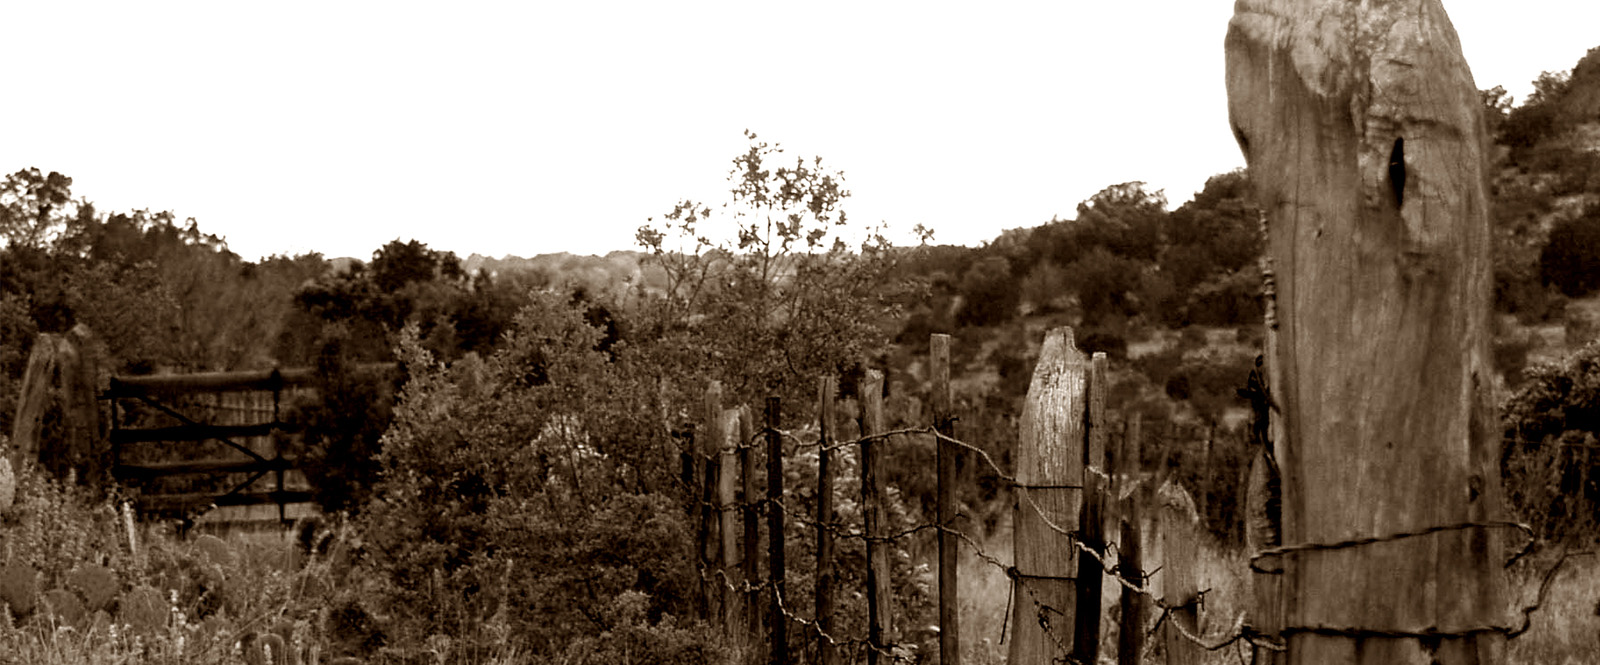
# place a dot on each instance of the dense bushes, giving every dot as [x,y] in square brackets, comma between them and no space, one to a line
[522,494]
[1551,425]
[1571,259]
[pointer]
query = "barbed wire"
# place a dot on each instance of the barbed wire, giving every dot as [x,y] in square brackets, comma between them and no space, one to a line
[1239,630]
[1371,540]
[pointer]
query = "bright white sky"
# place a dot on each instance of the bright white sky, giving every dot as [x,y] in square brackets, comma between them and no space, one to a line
[535,127]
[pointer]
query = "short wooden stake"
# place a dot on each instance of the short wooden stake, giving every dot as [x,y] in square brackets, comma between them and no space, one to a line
[944,423]
[827,388]
[874,504]
[775,515]
[1086,637]
[1130,634]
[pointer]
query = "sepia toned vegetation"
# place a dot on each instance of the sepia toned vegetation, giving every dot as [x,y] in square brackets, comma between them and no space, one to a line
[518,494]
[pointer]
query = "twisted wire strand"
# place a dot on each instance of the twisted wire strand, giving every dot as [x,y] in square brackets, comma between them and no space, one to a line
[1239,629]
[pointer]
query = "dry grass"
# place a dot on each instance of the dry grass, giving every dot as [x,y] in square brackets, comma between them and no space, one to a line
[1565,629]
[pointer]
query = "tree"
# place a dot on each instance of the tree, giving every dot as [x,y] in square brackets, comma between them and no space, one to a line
[1125,219]
[1496,106]
[989,293]
[1571,258]
[1539,116]
[406,282]
[764,292]
[397,264]
[35,208]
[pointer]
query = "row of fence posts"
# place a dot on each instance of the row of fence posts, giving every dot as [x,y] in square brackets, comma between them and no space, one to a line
[1061,483]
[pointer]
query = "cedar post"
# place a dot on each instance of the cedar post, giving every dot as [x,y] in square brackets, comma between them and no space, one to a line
[63,372]
[827,388]
[34,399]
[1086,638]
[752,535]
[1130,633]
[727,502]
[710,440]
[1362,129]
[945,452]
[874,509]
[1049,495]
[775,514]
[1178,525]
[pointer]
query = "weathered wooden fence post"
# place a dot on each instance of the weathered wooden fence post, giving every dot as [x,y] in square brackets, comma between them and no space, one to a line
[775,515]
[1086,637]
[752,531]
[1178,526]
[709,437]
[63,371]
[1130,631]
[945,454]
[1363,132]
[727,503]
[1049,494]
[875,513]
[827,389]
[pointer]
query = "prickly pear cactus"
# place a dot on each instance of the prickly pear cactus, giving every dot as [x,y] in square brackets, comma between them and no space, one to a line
[19,589]
[63,606]
[97,585]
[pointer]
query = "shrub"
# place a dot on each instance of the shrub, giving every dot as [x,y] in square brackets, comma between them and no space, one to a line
[514,506]
[989,294]
[1551,423]
[1571,259]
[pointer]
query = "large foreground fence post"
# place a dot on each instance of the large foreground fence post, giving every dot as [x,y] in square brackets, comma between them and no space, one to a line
[1363,132]
[1049,493]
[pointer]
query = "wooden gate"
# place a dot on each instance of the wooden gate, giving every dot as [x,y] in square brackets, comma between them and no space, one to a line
[215,436]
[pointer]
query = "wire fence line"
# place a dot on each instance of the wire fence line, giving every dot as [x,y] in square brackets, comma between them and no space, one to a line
[1238,631]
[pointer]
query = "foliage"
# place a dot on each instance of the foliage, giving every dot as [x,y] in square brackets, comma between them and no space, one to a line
[1515,209]
[406,283]
[522,490]
[342,426]
[1551,424]
[989,294]
[35,208]
[84,583]
[17,332]
[1539,117]
[1497,105]
[787,299]
[1108,286]
[1571,259]
[1124,219]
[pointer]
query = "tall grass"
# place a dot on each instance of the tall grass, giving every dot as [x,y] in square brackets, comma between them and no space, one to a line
[81,582]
